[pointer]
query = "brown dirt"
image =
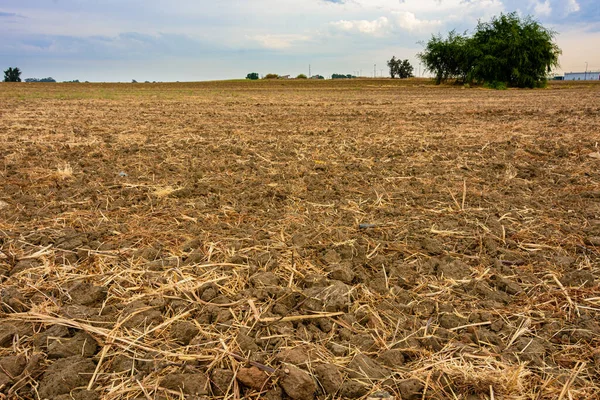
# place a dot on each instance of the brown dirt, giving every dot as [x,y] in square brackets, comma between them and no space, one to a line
[367,236]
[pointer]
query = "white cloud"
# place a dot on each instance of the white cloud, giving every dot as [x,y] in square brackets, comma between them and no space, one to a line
[409,21]
[279,41]
[543,9]
[384,26]
[572,6]
[379,27]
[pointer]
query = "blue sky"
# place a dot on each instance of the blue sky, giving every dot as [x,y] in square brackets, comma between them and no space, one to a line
[120,40]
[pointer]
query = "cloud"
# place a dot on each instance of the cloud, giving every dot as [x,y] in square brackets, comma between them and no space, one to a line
[279,41]
[378,27]
[543,9]
[384,26]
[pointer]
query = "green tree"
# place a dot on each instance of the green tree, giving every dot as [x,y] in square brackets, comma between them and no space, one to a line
[252,76]
[12,75]
[519,52]
[301,76]
[393,66]
[507,51]
[271,76]
[400,68]
[448,58]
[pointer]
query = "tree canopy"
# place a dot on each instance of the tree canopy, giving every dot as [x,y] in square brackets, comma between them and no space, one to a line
[12,75]
[507,50]
[48,79]
[252,76]
[400,68]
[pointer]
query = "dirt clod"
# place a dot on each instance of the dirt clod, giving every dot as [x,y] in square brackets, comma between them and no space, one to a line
[297,384]
[189,384]
[329,377]
[65,375]
[366,369]
[253,378]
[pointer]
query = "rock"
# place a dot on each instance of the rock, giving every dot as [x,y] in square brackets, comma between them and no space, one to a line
[366,369]
[221,381]
[189,384]
[329,377]
[297,383]
[337,349]
[65,375]
[184,331]
[253,378]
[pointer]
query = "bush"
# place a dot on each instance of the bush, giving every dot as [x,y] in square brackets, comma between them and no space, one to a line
[271,76]
[252,76]
[301,76]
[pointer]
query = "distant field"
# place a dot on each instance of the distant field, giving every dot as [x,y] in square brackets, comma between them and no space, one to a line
[293,239]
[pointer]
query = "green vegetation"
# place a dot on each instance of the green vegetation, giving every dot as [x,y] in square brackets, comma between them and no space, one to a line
[12,75]
[506,52]
[48,79]
[252,76]
[301,76]
[271,76]
[342,76]
[400,68]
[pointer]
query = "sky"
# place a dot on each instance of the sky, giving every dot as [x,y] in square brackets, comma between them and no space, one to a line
[194,40]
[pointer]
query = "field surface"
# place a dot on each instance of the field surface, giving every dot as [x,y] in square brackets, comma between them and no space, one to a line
[357,239]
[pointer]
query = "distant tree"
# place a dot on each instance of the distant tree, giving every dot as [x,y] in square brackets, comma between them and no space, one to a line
[393,66]
[271,76]
[252,76]
[12,75]
[400,68]
[133,81]
[342,76]
[49,79]
[317,77]
[301,76]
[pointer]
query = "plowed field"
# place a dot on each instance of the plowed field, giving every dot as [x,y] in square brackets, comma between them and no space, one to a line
[289,239]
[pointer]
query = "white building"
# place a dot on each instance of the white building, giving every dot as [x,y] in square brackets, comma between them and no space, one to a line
[582,76]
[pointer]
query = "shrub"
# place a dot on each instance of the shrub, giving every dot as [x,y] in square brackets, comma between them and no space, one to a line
[271,76]
[301,76]
[252,76]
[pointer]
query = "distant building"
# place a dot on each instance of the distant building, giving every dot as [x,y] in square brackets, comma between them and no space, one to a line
[582,76]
